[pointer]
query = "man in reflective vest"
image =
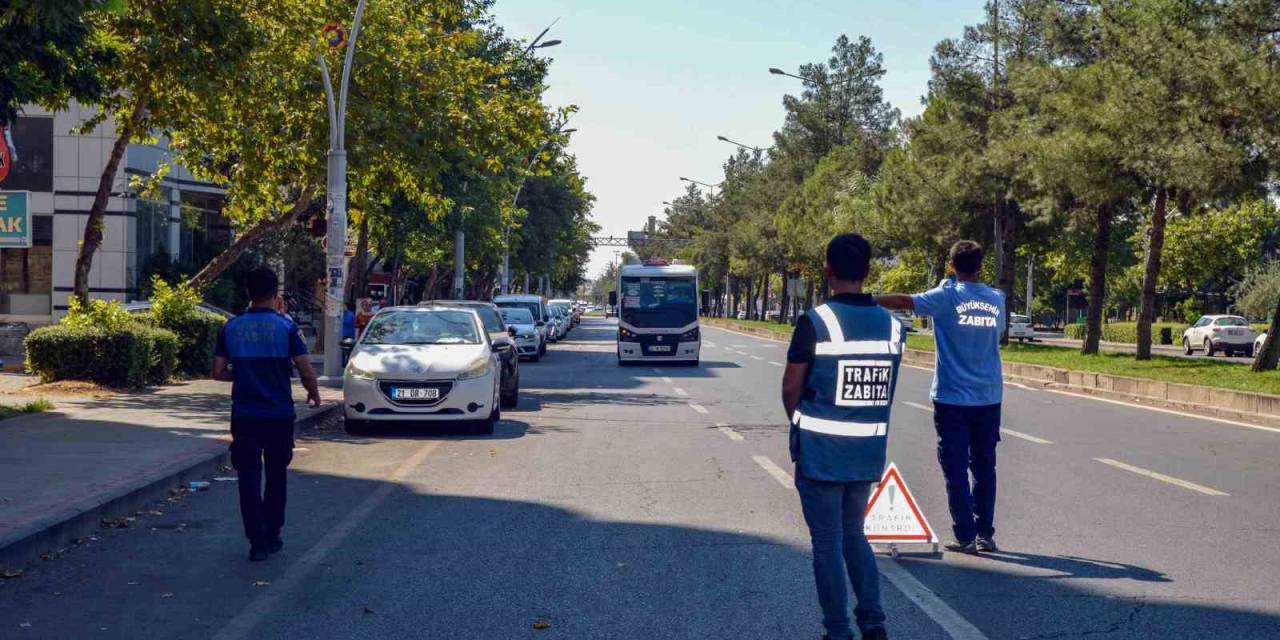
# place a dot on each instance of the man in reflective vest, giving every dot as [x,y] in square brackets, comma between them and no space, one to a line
[842,368]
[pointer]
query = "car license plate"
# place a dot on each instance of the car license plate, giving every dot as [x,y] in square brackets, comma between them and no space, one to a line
[413,393]
[660,348]
[1235,332]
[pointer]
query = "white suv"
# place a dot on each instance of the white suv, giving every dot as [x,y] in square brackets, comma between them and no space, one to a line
[1228,334]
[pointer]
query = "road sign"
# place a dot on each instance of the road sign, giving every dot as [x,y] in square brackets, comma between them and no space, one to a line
[892,515]
[15,219]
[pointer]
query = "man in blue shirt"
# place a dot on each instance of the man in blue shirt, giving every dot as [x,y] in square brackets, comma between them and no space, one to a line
[837,390]
[255,352]
[968,322]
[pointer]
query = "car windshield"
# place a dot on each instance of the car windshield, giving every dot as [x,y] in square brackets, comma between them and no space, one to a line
[435,326]
[517,316]
[659,302]
[531,307]
[1232,322]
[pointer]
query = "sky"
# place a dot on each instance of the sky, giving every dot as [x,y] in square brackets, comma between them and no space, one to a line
[656,81]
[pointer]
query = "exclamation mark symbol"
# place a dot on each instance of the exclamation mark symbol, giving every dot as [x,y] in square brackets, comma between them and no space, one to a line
[892,491]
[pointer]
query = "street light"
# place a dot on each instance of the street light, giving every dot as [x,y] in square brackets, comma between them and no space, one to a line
[336,196]
[779,72]
[712,187]
[506,232]
[739,144]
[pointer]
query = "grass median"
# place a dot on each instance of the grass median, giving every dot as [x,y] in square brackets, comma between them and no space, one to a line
[1204,372]
[34,406]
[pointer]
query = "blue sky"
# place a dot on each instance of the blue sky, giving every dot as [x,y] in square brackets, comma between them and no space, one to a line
[658,80]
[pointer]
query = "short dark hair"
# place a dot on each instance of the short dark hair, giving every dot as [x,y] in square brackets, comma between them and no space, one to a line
[262,284]
[966,257]
[849,255]
[351,305]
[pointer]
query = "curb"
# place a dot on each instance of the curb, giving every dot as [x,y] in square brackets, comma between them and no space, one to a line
[22,547]
[1208,402]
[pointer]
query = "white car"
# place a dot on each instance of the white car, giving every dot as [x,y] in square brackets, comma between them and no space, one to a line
[420,364]
[1020,328]
[528,338]
[1228,334]
[561,321]
[1257,342]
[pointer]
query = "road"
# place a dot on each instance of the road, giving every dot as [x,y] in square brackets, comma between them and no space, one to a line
[646,502]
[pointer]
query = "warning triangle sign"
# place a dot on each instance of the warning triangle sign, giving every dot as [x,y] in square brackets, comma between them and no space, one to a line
[892,514]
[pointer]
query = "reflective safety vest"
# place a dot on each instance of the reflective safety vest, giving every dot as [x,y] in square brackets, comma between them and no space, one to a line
[840,430]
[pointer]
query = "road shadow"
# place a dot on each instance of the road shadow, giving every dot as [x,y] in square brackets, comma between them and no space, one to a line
[383,559]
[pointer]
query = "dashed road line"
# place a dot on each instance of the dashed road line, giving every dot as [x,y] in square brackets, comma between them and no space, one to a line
[1208,491]
[699,408]
[666,379]
[728,431]
[757,358]
[681,392]
[1024,436]
[774,470]
[917,405]
[776,364]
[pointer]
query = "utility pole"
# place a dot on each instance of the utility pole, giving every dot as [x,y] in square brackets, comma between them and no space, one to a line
[1030,282]
[336,195]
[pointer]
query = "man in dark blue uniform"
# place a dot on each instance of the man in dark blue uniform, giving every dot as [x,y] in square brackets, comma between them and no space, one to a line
[842,368]
[255,352]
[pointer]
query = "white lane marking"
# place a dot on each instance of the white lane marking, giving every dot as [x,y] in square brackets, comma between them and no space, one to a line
[666,379]
[927,601]
[774,470]
[1172,412]
[1008,432]
[1208,491]
[728,431]
[269,601]
[741,346]
[699,408]
[681,392]
[776,364]
[1024,436]
[708,343]
[757,358]
[747,335]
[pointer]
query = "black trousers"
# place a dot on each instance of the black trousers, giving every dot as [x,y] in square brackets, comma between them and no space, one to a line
[262,446]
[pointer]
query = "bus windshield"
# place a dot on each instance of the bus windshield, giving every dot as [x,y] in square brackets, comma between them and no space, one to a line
[652,303]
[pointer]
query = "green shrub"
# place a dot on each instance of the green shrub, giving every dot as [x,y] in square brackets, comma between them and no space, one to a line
[129,356]
[197,337]
[99,314]
[1127,332]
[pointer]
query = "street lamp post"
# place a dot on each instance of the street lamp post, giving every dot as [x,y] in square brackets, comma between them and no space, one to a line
[506,232]
[712,187]
[336,196]
[740,145]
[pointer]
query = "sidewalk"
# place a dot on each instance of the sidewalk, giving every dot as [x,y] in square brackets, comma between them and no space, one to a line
[101,455]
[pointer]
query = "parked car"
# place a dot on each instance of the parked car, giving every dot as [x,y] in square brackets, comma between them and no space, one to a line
[502,338]
[423,364]
[907,320]
[142,306]
[1020,328]
[537,307]
[561,320]
[1257,342]
[1228,334]
[566,306]
[528,338]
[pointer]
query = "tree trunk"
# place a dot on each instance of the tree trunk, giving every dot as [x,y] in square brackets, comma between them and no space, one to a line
[93,226]
[246,241]
[784,314]
[360,266]
[808,295]
[751,298]
[764,297]
[733,311]
[1151,274]
[1266,359]
[1098,279]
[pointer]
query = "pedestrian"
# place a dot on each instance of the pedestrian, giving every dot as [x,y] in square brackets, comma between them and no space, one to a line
[349,322]
[363,316]
[255,351]
[968,322]
[842,367]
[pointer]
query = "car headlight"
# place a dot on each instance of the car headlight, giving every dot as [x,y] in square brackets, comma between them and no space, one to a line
[692,335]
[627,336]
[357,372]
[477,369]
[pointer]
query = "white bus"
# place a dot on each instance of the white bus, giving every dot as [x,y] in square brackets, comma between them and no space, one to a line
[657,307]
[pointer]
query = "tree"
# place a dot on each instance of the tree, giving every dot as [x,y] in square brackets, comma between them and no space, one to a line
[50,53]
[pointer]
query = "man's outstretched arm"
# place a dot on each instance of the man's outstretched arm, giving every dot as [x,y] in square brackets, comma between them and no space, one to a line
[896,301]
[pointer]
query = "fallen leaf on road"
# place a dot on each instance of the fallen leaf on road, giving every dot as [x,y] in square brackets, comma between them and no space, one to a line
[492,453]
[367,610]
[122,522]
[260,583]
[225,479]
[541,624]
[6,499]
[25,625]
[166,595]
[7,572]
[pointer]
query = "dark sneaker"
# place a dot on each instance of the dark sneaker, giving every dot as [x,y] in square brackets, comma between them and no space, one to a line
[986,545]
[875,634]
[274,546]
[970,547]
[258,553]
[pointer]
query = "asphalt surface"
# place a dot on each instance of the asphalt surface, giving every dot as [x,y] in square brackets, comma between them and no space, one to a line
[645,502]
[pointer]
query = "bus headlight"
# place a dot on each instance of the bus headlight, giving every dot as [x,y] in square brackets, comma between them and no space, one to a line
[627,336]
[692,335]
